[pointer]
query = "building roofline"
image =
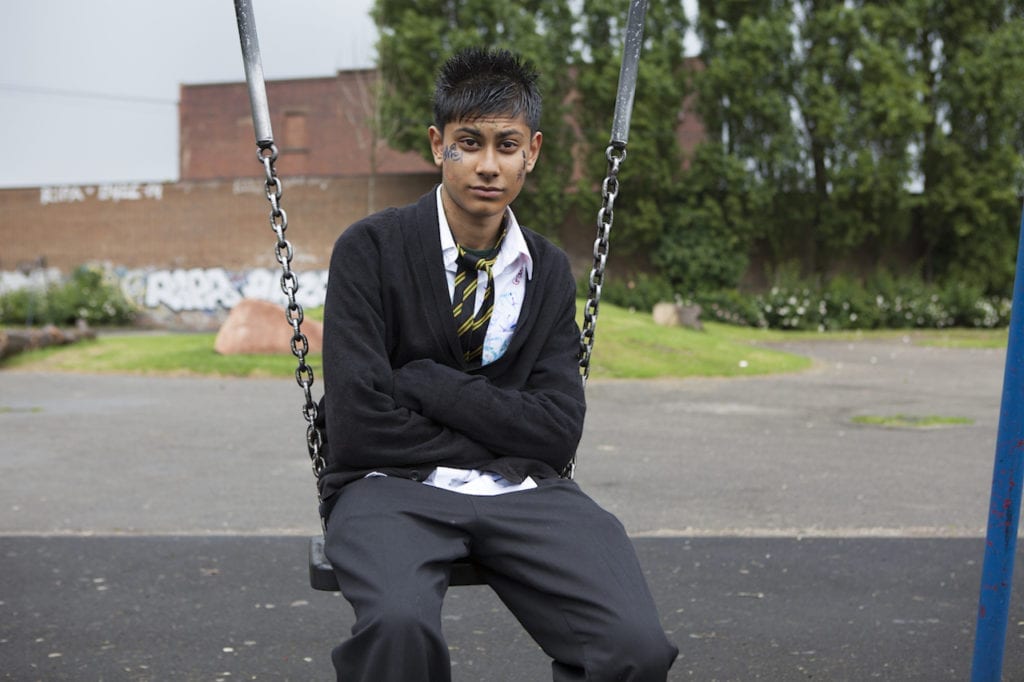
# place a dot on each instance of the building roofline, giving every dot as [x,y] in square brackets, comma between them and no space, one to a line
[296,79]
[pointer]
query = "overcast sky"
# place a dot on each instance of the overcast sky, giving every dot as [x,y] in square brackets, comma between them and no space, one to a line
[89,88]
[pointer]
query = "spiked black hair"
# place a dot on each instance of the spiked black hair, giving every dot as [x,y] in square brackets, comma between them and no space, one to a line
[478,82]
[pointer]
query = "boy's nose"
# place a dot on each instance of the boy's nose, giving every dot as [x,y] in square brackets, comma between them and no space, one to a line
[487,162]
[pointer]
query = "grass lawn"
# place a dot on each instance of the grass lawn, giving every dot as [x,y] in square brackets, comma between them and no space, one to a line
[911,421]
[629,345]
[167,354]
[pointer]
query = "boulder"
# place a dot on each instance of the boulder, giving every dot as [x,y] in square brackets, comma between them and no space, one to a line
[689,316]
[14,341]
[677,315]
[20,340]
[255,326]
[83,332]
[666,314]
[51,335]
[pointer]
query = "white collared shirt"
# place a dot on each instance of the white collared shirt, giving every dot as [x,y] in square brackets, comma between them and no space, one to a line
[511,272]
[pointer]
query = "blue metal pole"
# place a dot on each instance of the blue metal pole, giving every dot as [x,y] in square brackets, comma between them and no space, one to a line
[1004,504]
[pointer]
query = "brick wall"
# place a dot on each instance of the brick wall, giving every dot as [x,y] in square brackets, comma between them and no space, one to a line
[335,171]
[216,223]
[321,127]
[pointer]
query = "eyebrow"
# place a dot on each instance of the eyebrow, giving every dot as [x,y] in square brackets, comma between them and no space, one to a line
[502,135]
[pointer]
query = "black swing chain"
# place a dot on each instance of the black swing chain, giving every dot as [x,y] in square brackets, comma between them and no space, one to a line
[267,155]
[616,154]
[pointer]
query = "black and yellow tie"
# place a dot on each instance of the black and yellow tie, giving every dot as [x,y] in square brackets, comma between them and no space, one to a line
[472,330]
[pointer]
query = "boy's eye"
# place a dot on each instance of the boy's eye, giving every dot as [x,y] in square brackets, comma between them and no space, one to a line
[468,142]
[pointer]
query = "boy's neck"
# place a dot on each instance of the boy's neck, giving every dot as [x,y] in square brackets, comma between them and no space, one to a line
[469,231]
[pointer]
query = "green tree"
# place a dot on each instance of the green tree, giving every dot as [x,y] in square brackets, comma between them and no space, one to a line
[651,173]
[859,110]
[813,99]
[578,54]
[416,36]
[970,53]
[706,244]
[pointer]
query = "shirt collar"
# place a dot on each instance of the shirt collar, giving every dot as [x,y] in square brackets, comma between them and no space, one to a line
[513,248]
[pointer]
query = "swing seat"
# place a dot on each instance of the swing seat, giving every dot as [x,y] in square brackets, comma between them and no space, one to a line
[322,577]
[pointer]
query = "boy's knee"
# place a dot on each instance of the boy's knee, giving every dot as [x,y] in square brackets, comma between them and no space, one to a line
[636,654]
[394,640]
[400,620]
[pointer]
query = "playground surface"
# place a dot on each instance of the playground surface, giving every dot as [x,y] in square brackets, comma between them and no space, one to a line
[156,528]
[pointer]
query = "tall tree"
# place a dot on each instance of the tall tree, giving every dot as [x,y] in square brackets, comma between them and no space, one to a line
[578,51]
[971,55]
[651,173]
[812,98]
[742,180]
[416,36]
[860,109]
[866,117]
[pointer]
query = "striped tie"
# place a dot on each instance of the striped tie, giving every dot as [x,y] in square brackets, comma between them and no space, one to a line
[473,330]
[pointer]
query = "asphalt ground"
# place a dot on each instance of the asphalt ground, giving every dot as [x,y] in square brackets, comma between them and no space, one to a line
[156,528]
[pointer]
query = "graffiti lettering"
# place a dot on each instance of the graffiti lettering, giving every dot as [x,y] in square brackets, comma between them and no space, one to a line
[60,195]
[248,186]
[37,278]
[130,192]
[193,289]
[210,289]
[266,285]
[115,192]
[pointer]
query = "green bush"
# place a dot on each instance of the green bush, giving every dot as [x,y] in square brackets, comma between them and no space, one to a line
[88,294]
[638,293]
[731,307]
[883,302]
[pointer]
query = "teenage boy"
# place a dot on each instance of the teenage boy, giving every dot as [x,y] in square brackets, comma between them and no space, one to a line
[453,400]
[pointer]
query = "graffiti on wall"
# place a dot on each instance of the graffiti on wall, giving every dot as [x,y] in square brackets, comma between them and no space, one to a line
[29,278]
[192,289]
[209,289]
[123,191]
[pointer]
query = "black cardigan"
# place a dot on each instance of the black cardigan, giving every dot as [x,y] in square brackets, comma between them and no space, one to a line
[398,398]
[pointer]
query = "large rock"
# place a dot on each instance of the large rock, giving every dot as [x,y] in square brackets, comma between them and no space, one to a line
[677,314]
[15,340]
[255,326]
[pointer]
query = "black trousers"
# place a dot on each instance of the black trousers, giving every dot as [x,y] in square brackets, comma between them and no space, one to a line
[563,565]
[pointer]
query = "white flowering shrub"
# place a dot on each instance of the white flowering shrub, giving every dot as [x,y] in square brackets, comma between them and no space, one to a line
[885,303]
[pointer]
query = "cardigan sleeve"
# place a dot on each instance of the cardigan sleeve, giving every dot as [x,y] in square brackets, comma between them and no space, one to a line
[366,428]
[542,419]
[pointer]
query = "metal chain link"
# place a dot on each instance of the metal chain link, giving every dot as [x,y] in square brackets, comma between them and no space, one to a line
[283,251]
[615,154]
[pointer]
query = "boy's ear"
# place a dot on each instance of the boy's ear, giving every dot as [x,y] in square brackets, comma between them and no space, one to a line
[535,142]
[436,145]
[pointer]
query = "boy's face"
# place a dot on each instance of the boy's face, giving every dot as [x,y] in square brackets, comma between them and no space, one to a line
[483,164]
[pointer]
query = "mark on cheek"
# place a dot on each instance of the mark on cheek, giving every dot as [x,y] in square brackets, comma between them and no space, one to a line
[522,171]
[452,153]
